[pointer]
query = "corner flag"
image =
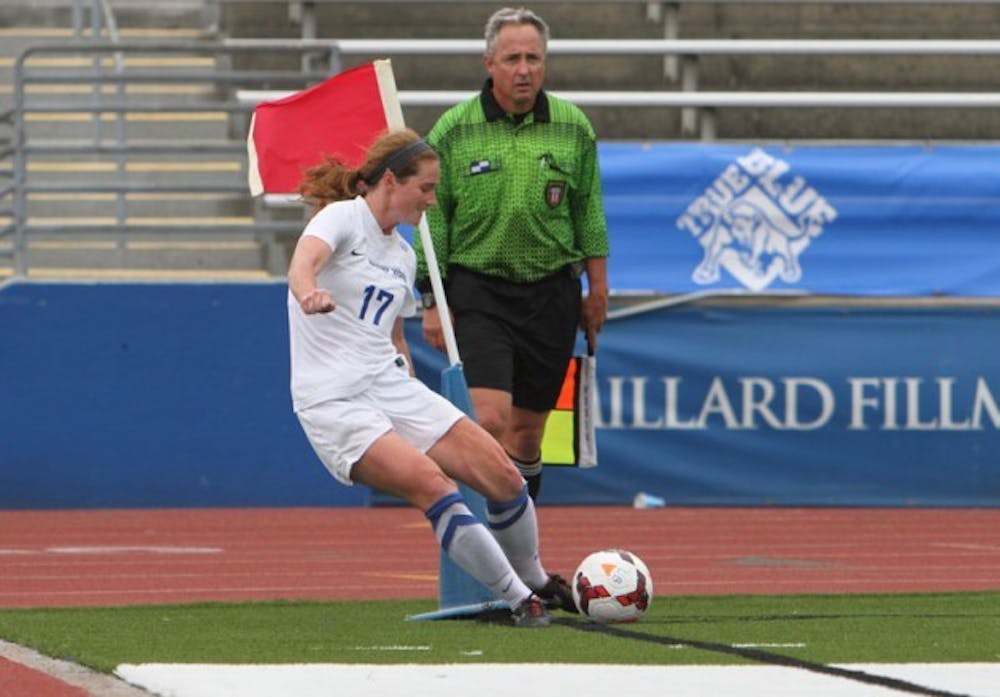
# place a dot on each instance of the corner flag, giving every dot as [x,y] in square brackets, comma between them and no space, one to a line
[340,117]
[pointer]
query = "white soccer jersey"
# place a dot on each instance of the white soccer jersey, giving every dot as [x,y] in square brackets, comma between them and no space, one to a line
[370,276]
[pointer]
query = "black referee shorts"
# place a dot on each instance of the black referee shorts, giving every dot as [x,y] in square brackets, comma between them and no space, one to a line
[516,337]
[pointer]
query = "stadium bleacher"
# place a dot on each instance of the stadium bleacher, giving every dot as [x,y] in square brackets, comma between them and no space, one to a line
[95,180]
[82,221]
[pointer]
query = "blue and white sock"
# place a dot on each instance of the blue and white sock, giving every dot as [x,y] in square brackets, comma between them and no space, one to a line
[514,525]
[466,541]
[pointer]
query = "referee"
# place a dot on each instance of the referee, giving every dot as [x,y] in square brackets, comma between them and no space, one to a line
[519,220]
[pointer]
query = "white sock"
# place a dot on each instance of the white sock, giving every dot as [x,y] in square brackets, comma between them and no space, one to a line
[467,542]
[514,525]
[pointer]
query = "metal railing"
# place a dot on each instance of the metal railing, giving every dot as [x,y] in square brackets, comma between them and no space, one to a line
[235,92]
[89,19]
[663,12]
[110,71]
[8,227]
[303,12]
[698,108]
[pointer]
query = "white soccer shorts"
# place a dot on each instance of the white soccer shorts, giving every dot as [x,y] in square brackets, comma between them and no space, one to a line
[342,430]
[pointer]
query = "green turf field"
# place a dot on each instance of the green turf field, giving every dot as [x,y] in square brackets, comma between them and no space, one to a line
[898,628]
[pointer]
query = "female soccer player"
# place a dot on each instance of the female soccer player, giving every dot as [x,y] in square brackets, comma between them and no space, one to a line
[367,417]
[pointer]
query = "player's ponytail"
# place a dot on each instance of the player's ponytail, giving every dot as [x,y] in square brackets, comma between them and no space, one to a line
[397,151]
[327,182]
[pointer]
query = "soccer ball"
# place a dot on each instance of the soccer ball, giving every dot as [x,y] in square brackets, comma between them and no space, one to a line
[612,585]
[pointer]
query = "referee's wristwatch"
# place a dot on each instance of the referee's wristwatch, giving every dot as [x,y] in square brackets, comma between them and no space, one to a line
[427,300]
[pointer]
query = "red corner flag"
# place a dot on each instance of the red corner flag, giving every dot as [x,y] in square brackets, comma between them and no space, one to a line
[340,117]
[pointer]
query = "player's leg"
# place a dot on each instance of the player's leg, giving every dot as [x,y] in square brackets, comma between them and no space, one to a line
[469,454]
[472,456]
[515,525]
[522,439]
[492,408]
[395,467]
[519,431]
[410,462]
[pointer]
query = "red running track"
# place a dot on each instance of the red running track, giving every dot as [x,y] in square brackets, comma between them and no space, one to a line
[17,680]
[122,557]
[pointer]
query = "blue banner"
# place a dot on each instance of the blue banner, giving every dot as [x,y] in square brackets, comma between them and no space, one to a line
[842,220]
[177,395]
[148,395]
[808,406]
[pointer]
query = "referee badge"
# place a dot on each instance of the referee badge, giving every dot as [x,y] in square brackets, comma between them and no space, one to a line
[483,166]
[555,192]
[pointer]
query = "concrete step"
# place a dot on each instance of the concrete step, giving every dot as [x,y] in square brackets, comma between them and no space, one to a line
[129,14]
[845,20]
[142,206]
[206,274]
[97,251]
[435,20]
[206,125]
[100,170]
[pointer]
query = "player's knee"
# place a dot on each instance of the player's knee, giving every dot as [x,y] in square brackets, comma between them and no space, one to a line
[525,440]
[508,482]
[492,420]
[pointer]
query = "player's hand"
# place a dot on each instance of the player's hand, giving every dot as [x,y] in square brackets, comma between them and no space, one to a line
[433,334]
[593,314]
[318,300]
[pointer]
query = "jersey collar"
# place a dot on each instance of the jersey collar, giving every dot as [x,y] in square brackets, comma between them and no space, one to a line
[493,112]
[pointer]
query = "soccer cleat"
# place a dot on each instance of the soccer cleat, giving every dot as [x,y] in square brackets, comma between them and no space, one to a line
[557,593]
[531,613]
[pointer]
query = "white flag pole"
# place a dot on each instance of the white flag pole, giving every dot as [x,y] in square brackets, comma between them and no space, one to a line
[439,295]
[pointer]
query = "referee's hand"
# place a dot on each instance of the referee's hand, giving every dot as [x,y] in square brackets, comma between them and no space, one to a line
[593,314]
[433,333]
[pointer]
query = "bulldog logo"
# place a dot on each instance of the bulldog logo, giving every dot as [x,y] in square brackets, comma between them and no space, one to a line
[755,225]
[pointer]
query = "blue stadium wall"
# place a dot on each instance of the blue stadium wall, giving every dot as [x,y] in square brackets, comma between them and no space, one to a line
[135,395]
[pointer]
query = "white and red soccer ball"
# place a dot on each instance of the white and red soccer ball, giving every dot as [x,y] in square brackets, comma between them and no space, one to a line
[612,585]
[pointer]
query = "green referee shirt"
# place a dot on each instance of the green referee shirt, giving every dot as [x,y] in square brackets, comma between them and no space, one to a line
[519,198]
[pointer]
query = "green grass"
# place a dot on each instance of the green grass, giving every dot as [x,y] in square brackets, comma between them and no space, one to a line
[931,627]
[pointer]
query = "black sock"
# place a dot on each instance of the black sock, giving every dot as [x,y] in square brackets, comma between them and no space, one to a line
[532,473]
[534,485]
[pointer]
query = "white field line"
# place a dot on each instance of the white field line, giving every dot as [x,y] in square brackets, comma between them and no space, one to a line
[535,680]
[133,549]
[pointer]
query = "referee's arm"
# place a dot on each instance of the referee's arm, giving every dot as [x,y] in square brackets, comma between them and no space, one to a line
[594,310]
